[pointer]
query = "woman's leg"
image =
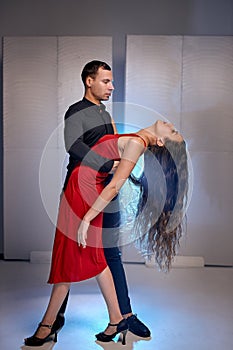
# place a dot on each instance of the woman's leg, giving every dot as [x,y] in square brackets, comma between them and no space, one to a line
[106,284]
[57,297]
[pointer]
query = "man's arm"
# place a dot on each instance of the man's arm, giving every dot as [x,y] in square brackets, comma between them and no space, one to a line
[114,126]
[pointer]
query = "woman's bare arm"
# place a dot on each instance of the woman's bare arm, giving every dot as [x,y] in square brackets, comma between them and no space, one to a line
[132,151]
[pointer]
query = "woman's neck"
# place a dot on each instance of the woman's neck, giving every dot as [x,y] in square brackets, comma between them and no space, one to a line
[149,137]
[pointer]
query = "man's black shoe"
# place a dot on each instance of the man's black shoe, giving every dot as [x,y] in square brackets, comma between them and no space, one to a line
[137,327]
[59,323]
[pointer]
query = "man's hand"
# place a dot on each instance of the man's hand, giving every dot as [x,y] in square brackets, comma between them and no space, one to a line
[115,165]
[82,233]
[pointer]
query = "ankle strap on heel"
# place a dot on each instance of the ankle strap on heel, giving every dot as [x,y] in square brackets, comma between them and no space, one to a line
[116,324]
[45,325]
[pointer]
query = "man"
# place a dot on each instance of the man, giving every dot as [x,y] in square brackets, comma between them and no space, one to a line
[85,123]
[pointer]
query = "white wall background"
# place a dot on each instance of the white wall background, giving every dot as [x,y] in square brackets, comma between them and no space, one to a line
[108,18]
[189,80]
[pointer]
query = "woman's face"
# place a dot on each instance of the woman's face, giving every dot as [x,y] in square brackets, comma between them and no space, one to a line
[166,130]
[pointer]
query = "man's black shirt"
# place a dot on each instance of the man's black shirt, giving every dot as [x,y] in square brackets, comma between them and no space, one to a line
[85,124]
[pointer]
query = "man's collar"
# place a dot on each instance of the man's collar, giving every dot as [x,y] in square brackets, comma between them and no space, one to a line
[89,103]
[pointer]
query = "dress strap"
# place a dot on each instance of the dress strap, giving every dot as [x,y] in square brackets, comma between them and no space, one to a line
[144,141]
[134,134]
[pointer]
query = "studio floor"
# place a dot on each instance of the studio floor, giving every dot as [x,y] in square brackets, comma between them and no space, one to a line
[187,309]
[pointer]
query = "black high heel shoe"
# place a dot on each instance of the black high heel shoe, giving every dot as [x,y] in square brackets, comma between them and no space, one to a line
[35,341]
[122,327]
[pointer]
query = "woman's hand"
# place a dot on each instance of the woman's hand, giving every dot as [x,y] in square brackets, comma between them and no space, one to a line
[82,233]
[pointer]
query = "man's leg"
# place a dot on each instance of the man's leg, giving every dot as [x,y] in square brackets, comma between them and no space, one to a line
[113,258]
[110,234]
[111,222]
[60,319]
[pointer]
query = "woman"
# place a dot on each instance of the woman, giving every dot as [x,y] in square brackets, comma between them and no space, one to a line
[78,252]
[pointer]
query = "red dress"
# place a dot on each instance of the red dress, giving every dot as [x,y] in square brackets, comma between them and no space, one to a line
[71,262]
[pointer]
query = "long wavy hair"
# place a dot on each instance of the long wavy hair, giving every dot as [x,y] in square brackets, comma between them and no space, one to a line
[161,217]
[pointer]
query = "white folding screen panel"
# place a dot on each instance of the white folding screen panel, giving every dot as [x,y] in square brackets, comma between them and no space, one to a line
[153,71]
[40,81]
[30,115]
[189,81]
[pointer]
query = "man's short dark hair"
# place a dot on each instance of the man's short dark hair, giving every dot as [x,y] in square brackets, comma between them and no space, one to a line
[91,69]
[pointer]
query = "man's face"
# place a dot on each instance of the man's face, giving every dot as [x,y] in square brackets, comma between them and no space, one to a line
[101,87]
